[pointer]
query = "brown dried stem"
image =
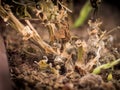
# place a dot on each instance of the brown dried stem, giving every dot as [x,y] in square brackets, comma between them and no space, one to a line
[28,32]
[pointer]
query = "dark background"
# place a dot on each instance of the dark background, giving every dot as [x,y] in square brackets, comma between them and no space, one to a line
[114,3]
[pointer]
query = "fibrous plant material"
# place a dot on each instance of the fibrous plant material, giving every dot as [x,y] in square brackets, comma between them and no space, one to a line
[53,18]
[26,31]
[66,59]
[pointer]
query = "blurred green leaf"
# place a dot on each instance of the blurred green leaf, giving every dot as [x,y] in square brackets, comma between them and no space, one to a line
[83,14]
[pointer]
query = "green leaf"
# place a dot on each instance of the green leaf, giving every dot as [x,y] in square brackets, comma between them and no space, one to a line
[83,14]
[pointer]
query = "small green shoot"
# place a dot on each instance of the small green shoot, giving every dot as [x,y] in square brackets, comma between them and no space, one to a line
[105,66]
[110,76]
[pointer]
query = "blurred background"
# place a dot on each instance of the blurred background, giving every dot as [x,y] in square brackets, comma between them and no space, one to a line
[108,12]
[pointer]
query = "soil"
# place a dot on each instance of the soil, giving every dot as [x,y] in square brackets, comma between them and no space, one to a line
[26,74]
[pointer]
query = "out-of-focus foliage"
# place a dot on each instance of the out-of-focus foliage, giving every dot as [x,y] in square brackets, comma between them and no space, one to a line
[83,14]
